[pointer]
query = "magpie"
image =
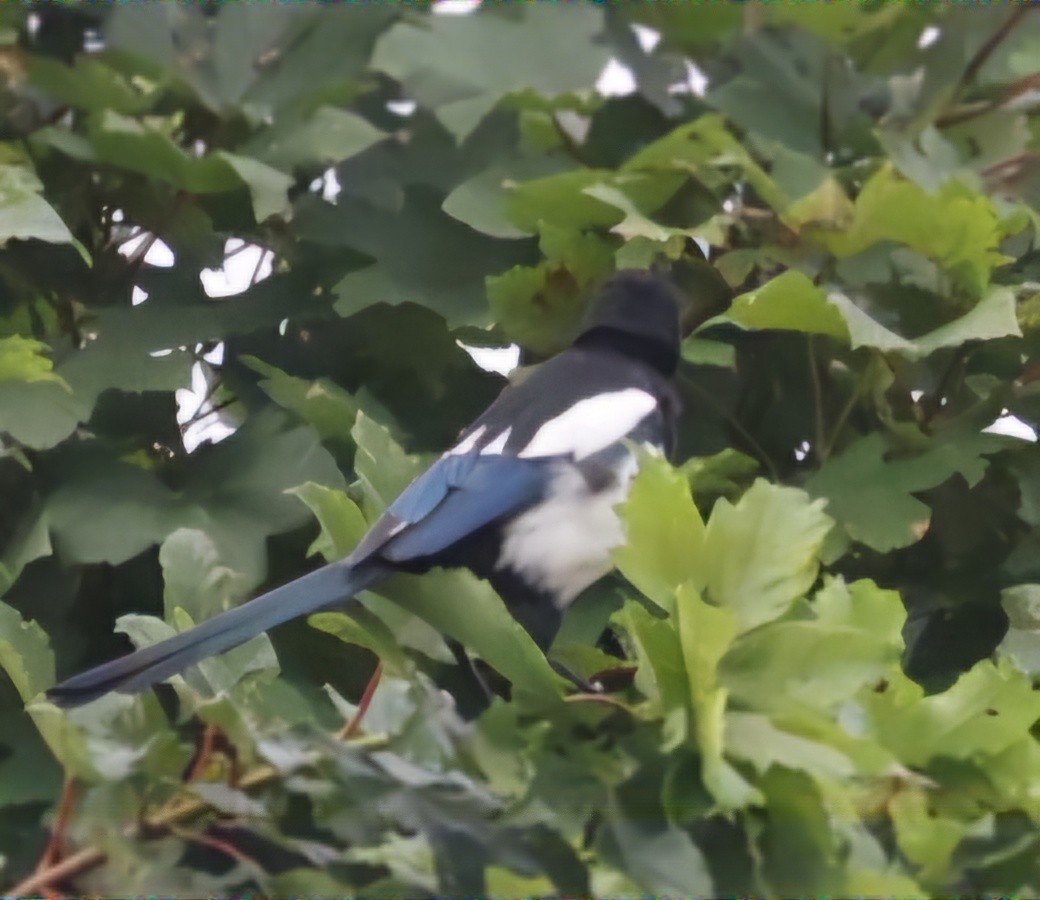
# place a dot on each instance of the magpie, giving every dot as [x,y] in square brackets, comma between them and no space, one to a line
[526,499]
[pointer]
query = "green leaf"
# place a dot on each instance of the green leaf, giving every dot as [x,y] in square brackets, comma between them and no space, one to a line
[30,542]
[365,630]
[665,533]
[702,352]
[957,228]
[23,359]
[326,137]
[536,307]
[24,214]
[927,838]
[39,414]
[342,523]
[25,653]
[705,633]
[789,302]
[988,709]
[322,402]
[1021,644]
[755,738]
[853,640]
[90,84]
[760,555]
[661,859]
[268,187]
[194,577]
[131,144]
[382,466]
[872,497]
[460,66]
[480,201]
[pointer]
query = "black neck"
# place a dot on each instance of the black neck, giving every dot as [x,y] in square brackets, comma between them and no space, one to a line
[662,356]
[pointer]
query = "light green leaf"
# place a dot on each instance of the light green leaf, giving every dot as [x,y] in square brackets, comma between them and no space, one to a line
[1021,644]
[705,633]
[383,468]
[927,838]
[24,359]
[25,653]
[988,709]
[759,556]
[956,227]
[362,629]
[342,523]
[755,738]
[665,533]
[789,302]
[24,214]
[854,639]
[702,352]
[195,578]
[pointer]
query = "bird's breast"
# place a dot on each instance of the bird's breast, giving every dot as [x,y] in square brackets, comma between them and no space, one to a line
[563,544]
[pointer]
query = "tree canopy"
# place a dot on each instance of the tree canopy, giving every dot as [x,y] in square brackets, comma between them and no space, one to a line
[823,639]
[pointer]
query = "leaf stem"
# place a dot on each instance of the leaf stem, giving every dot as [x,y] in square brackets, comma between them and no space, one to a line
[755,446]
[817,394]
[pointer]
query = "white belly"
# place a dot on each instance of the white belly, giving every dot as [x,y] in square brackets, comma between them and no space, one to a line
[564,544]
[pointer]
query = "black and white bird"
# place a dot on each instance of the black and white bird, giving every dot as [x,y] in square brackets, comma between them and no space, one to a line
[525,499]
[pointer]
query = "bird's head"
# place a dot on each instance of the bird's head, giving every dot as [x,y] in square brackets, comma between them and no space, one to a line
[637,313]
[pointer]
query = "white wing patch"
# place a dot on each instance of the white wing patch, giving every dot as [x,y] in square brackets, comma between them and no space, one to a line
[498,444]
[591,424]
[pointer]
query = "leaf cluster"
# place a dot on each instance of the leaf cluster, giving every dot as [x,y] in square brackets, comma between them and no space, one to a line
[822,641]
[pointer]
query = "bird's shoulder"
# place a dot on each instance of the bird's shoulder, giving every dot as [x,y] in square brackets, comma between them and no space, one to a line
[578,401]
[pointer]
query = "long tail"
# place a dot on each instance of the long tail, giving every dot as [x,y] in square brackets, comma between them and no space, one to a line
[137,671]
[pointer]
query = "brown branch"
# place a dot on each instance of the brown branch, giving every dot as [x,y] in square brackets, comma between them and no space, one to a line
[178,810]
[351,728]
[214,843]
[984,52]
[76,864]
[54,851]
[206,749]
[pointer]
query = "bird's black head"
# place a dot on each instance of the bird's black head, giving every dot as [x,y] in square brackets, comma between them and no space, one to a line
[637,313]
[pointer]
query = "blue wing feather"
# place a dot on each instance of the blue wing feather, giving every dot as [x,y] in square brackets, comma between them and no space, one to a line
[456,496]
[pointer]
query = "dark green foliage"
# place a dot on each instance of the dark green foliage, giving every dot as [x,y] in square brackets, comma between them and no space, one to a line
[829,607]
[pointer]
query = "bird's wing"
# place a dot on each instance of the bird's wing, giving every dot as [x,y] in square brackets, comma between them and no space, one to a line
[457,495]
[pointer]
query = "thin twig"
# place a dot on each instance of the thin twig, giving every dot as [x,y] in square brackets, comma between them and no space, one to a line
[839,423]
[933,403]
[205,754]
[54,851]
[740,429]
[72,865]
[214,843]
[351,728]
[986,50]
[177,810]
